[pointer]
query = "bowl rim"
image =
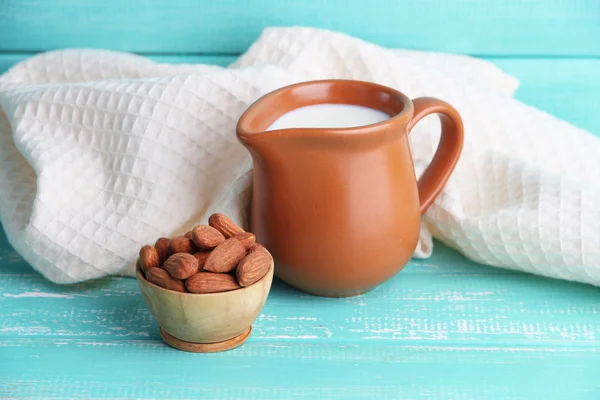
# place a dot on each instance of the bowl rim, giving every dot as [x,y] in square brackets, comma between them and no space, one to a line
[142,278]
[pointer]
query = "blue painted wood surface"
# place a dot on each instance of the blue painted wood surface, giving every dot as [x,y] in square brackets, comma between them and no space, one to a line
[507,27]
[444,328]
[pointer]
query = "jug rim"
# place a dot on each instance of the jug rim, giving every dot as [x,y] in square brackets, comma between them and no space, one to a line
[266,109]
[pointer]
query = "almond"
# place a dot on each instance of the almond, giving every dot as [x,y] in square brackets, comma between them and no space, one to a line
[181,265]
[189,235]
[225,256]
[201,257]
[162,247]
[253,267]
[257,247]
[160,277]
[207,237]
[148,258]
[224,224]
[209,282]
[181,244]
[247,239]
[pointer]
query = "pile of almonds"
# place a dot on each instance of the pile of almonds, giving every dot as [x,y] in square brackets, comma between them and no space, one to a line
[212,258]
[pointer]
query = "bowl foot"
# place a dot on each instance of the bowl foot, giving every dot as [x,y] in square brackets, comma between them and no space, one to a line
[205,347]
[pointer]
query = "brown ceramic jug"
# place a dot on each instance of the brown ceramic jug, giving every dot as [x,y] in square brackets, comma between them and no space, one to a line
[340,208]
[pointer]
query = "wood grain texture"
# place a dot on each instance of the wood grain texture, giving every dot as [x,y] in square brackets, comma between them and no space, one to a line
[445,298]
[217,347]
[535,27]
[74,369]
[206,317]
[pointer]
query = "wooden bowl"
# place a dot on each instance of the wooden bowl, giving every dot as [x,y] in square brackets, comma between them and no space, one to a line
[205,322]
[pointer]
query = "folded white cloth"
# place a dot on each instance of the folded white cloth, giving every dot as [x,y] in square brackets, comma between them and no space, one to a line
[101,152]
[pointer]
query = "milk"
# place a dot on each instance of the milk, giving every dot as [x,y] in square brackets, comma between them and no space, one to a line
[329,116]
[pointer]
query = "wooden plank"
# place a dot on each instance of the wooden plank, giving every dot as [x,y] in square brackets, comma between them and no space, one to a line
[536,27]
[7,61]
[565,88]
[69,369]
[445,298]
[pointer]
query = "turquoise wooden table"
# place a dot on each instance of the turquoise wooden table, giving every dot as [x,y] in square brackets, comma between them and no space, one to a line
[444,328]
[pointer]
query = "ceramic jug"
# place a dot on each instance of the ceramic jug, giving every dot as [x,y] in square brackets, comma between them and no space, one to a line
[340,208]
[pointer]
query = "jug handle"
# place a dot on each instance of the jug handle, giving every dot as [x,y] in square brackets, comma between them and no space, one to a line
[434,178]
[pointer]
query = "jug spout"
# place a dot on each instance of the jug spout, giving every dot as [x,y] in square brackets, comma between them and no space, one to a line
[253,126]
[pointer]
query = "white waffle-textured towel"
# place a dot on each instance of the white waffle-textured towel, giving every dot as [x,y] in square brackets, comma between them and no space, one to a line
[101,152]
